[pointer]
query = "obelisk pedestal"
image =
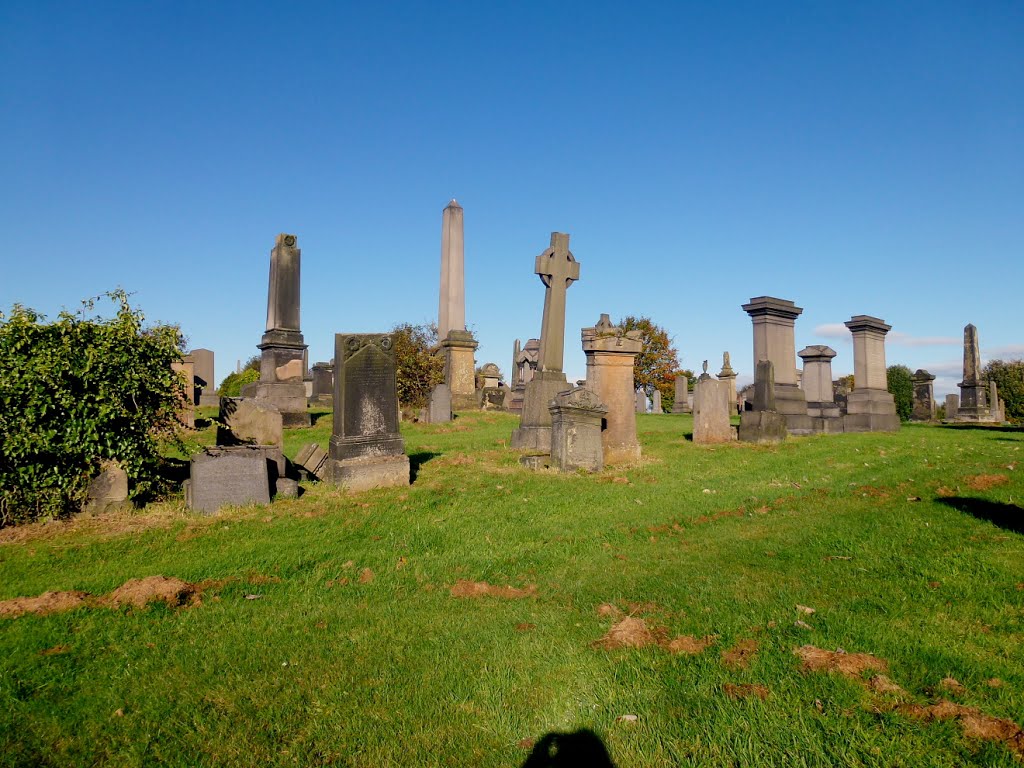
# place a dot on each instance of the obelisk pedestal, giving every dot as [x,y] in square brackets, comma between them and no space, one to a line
[282,347]
[457,344]
[973,402]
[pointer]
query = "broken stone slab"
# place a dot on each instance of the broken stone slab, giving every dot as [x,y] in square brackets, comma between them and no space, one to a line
[312,458]
[108,491]
[249,421]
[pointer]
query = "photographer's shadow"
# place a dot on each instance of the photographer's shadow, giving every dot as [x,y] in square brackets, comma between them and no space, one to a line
[580,749]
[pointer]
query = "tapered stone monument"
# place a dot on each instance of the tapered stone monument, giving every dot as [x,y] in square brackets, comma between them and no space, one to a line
[557,269]
[457,344]
[283,349]
[367,450]
[816,383]
[923,407]
[682,399]
[611,353]
[870,407]
[773,321]
[973,402]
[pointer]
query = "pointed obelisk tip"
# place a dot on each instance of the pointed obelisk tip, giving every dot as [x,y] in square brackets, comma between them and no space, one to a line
[453,204]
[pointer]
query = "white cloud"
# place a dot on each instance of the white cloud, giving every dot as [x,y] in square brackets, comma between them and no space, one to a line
[1005,352]
[906,340]
[832,331]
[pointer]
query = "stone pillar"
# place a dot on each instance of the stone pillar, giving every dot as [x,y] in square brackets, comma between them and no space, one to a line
[367,450]
[282,347]
[611,354]
[323,382]
[870,407]
[711,411]
[774,321]
[203,358]
[763,424]
[682,400]
[817,386]
[576,418]
[457,344]
[656,402]
[952,407]
[924,397]
[728,375]
[557,269]
[973,405]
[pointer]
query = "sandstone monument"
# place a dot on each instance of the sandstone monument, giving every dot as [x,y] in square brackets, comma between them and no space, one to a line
[457,344]
[576,417]
[728,375]
[711,410]
[924,397]
[816,383]
[610,355]
[973,402]
[763,424]
[870,407]
[773,321]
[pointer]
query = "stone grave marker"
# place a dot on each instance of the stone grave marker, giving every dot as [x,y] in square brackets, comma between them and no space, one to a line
[924,398]
[610,353]
[870,407]
[576,417]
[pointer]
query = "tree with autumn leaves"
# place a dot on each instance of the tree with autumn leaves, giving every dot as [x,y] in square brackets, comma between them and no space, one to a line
[657,366]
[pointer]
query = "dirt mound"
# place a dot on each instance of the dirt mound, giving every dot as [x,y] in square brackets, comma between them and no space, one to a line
[628,633]
[607,609]
[974,723]
[882,684]
[952,685]
[739,656]
[849,664]
[690,645]
[48,602]
[466,588]
[745,691]
[140,592]
[984,482]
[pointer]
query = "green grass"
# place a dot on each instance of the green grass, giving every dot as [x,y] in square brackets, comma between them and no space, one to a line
[724,541]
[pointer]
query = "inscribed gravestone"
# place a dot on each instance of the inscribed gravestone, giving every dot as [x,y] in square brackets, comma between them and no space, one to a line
[576,417]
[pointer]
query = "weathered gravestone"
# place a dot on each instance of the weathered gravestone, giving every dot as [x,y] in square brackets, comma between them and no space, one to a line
[923,408]
[763,423]
[641,401]
[203,359]
[367,450]
[557,269]
[576,417]
[222,476]
[656,402]
[711,411]
[244,420]
[457,343]
[108,491]
[312,459]
[610,355]
[870,407]
[282,361]
[952,406]
[817,385]
[773,321]
[682,401]
[439,407]
[323,383]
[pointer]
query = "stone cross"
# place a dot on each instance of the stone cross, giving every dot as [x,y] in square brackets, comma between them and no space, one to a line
[558,270]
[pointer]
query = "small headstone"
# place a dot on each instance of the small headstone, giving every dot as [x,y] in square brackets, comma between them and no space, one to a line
[222,476]
[923,406]
[108,491]
[682,401]
[491,375]
[244,420]
[711,411]
[952,407]
[641,401]
[287,488]
[656,402]
[576,417]
[439,409]
[993,401]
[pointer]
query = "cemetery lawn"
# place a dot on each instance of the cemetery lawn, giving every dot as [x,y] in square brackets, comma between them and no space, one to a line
[357,630]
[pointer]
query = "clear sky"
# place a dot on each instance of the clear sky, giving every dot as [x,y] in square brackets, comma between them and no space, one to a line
[856,158]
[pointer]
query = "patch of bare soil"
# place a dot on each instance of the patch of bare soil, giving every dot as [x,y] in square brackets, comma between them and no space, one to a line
[631,632]
[974,723]
[366,576]
[466,588]
[849,664]
[690,645]
[873,492]
[525,626]
[882,684]
[952,685]
[55,651]
[702,519]
[140,592]
[607,609]
[48,602]
[739,656]
[984,482]
[745,691]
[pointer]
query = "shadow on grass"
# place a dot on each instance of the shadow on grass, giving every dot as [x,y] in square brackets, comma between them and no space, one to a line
[579,749]
[417,460]
[314,417]
[987,427]
[1009,517]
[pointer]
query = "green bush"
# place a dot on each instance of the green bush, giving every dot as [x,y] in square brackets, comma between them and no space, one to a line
[417,366]
[902,388]
[76,392]
[1009,378]
[233,382]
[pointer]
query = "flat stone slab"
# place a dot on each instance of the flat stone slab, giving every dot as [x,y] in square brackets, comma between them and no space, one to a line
[227,476]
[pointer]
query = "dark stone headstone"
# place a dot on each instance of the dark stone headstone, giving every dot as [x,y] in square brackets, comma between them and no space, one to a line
[222,476]
[763,423]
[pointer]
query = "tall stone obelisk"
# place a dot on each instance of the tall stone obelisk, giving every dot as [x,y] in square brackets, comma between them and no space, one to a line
[282,346]
[457,344]
[973,404]
[557,269]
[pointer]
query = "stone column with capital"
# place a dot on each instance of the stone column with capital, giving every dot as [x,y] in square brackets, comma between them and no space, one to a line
[773,321]
[557,269]
[816,383]
[282,347]
[457,344]
[870,407]
[611,353]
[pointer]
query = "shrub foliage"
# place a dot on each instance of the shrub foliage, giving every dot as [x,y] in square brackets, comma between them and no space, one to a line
[902,389]
[1009,378]
[655,367]
[76,392]
[418,366]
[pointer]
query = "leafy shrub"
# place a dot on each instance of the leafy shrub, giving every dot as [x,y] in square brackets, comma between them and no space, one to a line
[1009,378]
[233,382]
[76,392]
[902,388]
[418,367]
[655,367]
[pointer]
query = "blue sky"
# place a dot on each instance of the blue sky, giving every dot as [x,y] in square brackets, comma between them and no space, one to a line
[856,158]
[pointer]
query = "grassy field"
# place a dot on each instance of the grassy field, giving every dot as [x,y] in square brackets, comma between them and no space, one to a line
[357,630]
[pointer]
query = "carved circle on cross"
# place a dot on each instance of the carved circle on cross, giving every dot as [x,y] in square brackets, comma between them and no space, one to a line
[549,253]
[385,343]
[289,240]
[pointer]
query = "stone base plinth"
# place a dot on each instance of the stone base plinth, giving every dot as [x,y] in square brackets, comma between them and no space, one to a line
[827,425]
[791,403]
[870,410]
[368,472]
[289,397]
[762,427]
[460,369]
[534,431]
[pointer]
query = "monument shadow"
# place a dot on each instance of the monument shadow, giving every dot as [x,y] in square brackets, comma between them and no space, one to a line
[417,460]
[1009,517]
[579,749]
